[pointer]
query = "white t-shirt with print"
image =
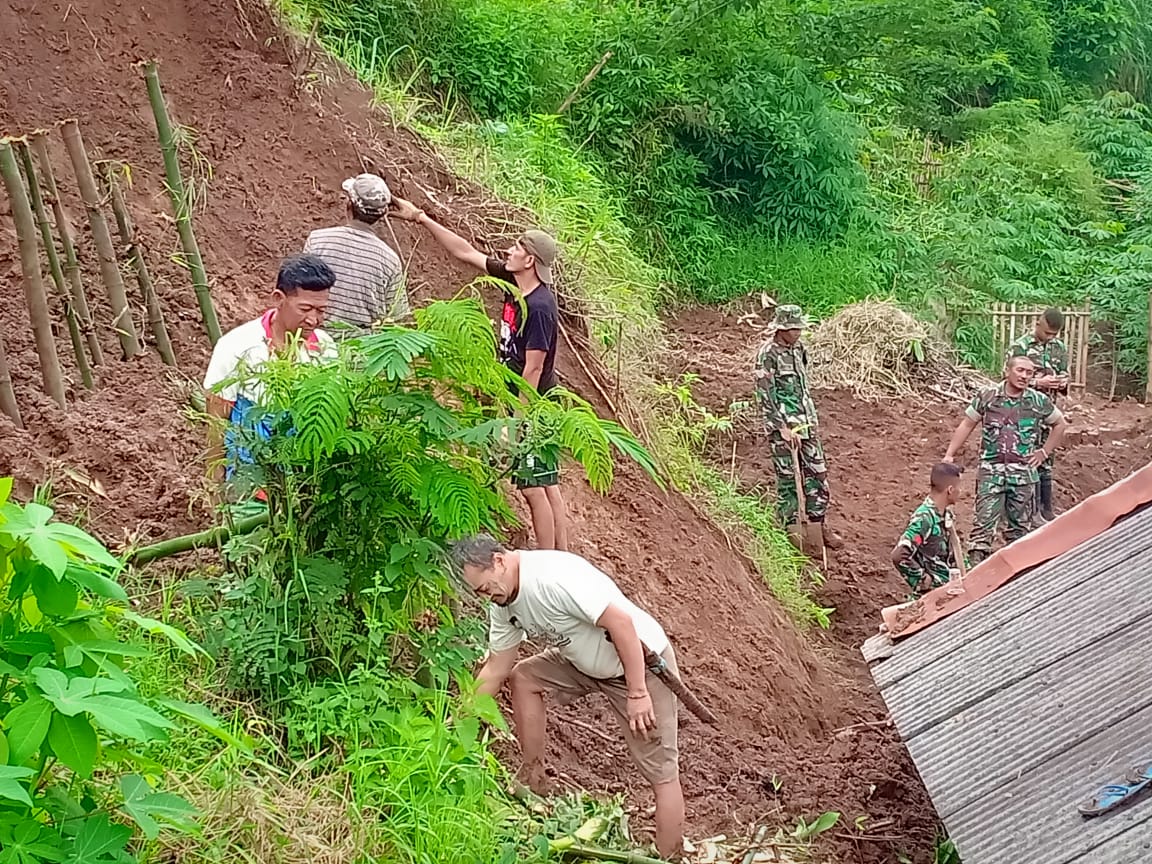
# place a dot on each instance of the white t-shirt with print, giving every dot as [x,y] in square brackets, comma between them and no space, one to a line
[560,599]
[243,351]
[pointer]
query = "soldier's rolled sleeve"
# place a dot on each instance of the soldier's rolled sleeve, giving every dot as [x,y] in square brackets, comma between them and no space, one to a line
[1054,417]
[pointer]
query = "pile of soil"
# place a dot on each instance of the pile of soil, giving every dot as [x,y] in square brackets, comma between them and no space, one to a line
[279,144]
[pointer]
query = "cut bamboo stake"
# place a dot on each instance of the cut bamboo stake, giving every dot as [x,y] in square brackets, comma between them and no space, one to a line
[54,264]
[33,283]
[7,394]
[102,238]
[39,142]
[143,277]
[199,540]
[180,203]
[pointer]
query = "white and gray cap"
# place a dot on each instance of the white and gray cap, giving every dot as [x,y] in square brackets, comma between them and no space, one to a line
[368,193]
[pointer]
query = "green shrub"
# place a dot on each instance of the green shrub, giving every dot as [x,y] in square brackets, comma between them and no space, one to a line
[74,720]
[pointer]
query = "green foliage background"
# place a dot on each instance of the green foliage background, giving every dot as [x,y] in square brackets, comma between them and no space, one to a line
[777,145]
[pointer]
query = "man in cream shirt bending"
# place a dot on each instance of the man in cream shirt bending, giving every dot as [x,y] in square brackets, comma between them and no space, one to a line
[595,638]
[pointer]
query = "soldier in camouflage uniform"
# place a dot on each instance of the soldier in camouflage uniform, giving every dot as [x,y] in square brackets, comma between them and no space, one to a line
[1050,356]
[791,423]
[924,555]
[1012,416]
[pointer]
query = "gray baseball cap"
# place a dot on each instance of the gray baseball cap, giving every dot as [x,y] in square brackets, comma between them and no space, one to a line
[368,192]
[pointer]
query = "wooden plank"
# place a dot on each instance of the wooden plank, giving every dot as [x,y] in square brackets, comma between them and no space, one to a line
[990,829]
[986,746]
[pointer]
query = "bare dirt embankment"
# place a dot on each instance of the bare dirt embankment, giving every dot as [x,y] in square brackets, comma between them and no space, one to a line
[279,145]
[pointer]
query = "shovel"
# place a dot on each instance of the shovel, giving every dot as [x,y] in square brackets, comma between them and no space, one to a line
[956,586]
[811,533]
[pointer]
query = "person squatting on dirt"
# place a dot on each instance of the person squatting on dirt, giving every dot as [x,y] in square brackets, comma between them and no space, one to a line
[791,423]
[595,639]
[923,555]
[529,330]
[292,323]
[369,277]
[1050,356]
[1013,416]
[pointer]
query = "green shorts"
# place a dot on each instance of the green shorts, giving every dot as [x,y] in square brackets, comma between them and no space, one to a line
[533,471]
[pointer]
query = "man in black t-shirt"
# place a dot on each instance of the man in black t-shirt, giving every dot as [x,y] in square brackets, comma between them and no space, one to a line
[529,328]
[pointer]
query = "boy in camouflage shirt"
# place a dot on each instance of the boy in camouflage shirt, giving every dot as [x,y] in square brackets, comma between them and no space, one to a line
[1012,416]
[924,555]
[791,423]
[1050,356]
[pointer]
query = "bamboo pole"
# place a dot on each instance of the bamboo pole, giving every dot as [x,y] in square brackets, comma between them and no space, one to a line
[143,277]
[180,203]
[33,281]
[7,395]
[1085,335]
[102,237]
[199,540]
[39,142]
[54,264]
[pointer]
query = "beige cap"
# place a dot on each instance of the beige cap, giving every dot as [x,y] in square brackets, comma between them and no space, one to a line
[542,247]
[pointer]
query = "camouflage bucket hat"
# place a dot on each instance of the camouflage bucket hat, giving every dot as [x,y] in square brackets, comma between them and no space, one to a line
[790,318]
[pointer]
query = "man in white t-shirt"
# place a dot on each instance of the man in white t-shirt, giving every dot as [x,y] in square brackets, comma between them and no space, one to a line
[298,306]
[594,640]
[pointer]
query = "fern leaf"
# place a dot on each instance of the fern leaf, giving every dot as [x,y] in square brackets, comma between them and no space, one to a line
[390,352]
[629,446]
[320,414]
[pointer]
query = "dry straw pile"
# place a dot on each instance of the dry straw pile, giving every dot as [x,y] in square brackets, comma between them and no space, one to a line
[877,350]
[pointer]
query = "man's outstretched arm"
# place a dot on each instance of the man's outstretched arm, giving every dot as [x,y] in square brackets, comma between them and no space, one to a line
[453,243]
[959,437]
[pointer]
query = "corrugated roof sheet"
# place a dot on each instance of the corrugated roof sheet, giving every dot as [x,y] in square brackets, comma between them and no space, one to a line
[1022,704]
[1086,520]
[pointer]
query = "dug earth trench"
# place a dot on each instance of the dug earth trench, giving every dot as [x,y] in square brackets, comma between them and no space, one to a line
[801,730]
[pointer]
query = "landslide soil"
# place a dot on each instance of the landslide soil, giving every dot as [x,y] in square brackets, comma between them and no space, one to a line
[128,460]
[879,456]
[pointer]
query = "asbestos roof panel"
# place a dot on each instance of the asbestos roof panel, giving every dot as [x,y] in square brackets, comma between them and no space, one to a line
[1045,825]
[977,750]
[1018,707]
[1127,539]
[1024,645]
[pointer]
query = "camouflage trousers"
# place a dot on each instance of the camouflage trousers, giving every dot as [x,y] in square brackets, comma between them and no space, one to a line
[998,500]
[1045,468]
[813,474]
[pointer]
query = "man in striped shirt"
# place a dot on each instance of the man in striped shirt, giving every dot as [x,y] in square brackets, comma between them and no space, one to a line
[369,278]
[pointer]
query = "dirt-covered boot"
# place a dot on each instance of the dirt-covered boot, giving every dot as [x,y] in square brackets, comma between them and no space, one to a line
[1046,512]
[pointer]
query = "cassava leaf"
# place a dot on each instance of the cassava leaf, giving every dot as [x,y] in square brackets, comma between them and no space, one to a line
[175,636]
[149,808]
[99,838]
[73,740]
[27,726]
[206,720]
